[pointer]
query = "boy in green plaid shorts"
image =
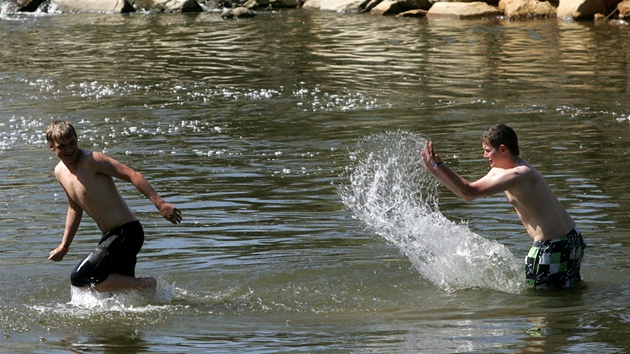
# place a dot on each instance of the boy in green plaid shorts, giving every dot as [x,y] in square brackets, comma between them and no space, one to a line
[555,259]
[555,264]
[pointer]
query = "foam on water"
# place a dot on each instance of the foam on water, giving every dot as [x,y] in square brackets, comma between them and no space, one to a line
[393,194]
[101,309]
[140,300]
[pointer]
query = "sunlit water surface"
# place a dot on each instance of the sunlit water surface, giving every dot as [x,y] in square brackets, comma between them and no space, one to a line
[290,142]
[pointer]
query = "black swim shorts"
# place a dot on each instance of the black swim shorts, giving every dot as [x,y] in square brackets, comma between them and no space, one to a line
[116,253]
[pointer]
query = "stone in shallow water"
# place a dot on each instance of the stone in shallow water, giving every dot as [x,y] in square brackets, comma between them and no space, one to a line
[462,10]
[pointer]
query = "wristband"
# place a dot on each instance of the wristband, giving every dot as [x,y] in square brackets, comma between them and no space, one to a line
[436,164]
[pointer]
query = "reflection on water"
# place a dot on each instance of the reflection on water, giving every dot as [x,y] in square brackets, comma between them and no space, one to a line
[253,128]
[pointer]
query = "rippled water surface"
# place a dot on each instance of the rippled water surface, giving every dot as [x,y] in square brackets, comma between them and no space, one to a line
[290,142]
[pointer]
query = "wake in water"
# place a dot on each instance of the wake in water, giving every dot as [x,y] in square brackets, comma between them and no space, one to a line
[86,298]
[394,195]
[102,310]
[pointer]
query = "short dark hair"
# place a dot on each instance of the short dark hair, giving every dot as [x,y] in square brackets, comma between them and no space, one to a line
[59,130]
[501,134]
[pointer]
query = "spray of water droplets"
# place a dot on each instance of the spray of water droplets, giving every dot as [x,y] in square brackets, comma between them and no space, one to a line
[389,190]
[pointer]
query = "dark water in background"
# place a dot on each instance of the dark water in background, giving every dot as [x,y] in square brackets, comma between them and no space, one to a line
[254,128]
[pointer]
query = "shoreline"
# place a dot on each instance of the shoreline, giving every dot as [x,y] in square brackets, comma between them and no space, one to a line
[570,10]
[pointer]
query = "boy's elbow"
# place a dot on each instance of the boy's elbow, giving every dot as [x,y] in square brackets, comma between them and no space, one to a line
[136,177]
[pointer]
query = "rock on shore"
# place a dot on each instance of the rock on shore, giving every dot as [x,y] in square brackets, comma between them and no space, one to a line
[509,9]
[113,6]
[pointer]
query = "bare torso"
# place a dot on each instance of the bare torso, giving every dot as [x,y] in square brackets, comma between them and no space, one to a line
[94,192]
[540,211]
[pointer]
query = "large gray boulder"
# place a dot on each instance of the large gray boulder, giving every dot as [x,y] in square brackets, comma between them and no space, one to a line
[461,10]
[524,9]
[92,6]
[169,5]
[334,5]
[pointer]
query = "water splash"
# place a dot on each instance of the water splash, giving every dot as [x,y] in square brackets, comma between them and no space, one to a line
[392,193]
[140,300]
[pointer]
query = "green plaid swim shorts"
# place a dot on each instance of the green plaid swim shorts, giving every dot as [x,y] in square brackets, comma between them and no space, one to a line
[555,264]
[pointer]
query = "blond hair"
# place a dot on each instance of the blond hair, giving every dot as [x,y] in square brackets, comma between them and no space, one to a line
[60,130]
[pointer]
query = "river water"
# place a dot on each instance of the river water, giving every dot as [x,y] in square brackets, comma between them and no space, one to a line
[290,143]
